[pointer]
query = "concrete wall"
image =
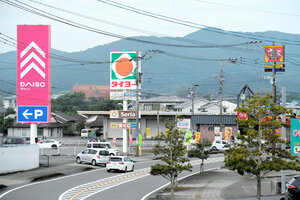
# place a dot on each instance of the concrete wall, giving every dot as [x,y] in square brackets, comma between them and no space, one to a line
[13,159]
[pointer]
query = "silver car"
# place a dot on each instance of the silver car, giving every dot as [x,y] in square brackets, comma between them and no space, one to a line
[93,156]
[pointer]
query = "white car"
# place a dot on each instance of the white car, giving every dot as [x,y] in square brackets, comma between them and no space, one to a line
[220,145]
[105,146]
[121,163]
[93,156]
[54,144]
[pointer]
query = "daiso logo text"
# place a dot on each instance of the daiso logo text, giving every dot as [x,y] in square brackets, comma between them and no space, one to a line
[33,84]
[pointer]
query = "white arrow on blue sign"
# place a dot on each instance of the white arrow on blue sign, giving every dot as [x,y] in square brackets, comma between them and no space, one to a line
[32,113]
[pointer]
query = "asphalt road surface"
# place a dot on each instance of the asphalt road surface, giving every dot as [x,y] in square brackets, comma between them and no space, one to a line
[99,184]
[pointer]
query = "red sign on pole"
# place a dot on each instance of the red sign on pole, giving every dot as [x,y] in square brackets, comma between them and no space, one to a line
[279,53]
[33,73]
[242,116]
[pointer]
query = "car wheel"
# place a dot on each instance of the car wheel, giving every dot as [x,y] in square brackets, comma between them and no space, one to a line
[54,146]
[78,161]
[108,170]
[125,170]
[94,162]
[111,154]
[132,168]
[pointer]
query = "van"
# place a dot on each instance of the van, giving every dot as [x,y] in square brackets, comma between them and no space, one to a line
[85,133]
[103,145]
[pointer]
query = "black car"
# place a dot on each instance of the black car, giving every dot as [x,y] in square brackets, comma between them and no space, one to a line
[293,189]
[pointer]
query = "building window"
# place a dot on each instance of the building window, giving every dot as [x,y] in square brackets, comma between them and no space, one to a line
[211,128]
[148,107]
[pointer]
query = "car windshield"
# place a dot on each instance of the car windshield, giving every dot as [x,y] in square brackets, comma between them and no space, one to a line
[103,153]
[115,159]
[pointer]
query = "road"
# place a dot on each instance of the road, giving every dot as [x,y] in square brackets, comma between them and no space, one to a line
[99,184]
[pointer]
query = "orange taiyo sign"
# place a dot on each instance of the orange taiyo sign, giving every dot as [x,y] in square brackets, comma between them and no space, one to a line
[123,68]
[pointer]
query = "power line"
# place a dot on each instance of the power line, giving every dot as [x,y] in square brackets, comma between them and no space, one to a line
[48,15]
[191,24]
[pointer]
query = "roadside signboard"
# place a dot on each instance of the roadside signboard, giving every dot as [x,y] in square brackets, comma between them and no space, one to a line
[123,114]
[123,95]
[295,136]
[279,53]
[228,132]
[184,124]
[197,139]
[123,70]
[241,116]
[122,125]
[278,68]
[33,74]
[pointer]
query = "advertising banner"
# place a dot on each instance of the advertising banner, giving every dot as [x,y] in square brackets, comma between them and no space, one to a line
[184,124]
[123,125]
[228,133]
[217,131]
[123,114]
[33,74]
[123,95]
[198,135]
[278,68]
[123,70]
[295,136]
[279,53]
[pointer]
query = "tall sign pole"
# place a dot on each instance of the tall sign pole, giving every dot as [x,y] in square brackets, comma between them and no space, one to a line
[137,130]
[123,72]
[33,76]
[283,137]
[221,99]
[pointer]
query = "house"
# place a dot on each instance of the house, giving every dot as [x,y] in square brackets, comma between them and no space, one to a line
[96,91]
[10,102]
[161,103]
[54,129]
[186,107]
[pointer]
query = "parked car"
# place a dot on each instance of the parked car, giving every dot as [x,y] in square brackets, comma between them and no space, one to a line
[93,156]
[293,189]
[54,144]
[13,141]
[26,140]
[220,145]
[121,163]
[105,146]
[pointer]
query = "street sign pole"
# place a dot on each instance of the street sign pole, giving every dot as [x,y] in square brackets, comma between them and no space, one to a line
[125,135]
[33,132]
[283,137]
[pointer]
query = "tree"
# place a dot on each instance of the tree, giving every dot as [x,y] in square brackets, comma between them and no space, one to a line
[69,103]
[200,153]
[173,154]
[253,154]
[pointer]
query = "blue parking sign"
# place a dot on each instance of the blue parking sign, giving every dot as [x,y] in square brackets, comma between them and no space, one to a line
[32,113]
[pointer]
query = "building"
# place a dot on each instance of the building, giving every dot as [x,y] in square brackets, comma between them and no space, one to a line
[96,91]
[10,102]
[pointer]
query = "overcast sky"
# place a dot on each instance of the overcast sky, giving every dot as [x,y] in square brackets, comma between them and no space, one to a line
[233,15]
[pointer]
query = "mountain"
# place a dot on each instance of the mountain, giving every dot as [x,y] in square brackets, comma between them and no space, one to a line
[173,71]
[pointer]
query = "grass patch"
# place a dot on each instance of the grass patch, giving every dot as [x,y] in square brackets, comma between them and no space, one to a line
[177,188]
[49,176]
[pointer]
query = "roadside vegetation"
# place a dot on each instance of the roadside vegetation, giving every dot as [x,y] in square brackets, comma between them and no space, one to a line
[251,155]
[172,154]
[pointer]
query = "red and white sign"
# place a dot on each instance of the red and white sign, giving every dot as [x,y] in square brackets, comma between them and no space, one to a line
[122,125]
[279,53]
[242,116]
[33,69]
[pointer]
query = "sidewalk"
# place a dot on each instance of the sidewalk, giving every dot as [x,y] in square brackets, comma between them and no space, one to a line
[224,184]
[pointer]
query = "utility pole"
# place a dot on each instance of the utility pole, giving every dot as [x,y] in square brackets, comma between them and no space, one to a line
[137,130]
[274,90]
[283,137]
[234,61]
[221,98]
[192,95]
